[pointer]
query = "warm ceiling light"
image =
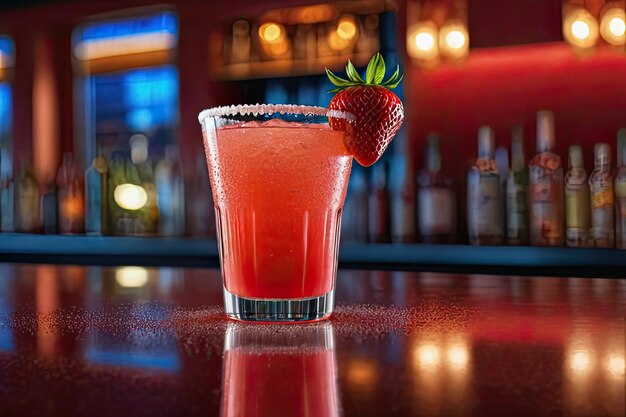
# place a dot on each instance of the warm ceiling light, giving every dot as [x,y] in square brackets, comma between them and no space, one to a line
[580,361]
[454,40]
[422,41]
[580,28]
[613,26]
[130,196]
[272,32]
[346,28]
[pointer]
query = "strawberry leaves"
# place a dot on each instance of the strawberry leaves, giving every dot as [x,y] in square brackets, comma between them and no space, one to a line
[374,75]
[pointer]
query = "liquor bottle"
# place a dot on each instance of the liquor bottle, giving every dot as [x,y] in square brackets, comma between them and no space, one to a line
[71,201]
[378,207]
[577,204]
[502,165]
[545,179]
[517,192]
[96,210]
[149,213]
[200,208]
[602,198]
[620,194]
[27,200]
[402,192]
[436,199]
[170,187]
[484,222]
[49,210]
[355,217]
[7,205]
[126,197]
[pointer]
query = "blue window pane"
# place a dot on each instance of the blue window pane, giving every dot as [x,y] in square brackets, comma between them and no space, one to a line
[6,124]
[6,48]
[164,22]
[136,101]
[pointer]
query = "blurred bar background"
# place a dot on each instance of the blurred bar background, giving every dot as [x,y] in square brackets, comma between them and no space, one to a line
[99,100]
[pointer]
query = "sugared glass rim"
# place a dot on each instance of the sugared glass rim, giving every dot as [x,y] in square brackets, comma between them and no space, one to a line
[269,109]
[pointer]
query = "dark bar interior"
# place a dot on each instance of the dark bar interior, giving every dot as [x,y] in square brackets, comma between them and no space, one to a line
[481,269]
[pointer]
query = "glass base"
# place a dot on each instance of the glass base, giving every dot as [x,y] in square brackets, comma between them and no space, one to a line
[279,311]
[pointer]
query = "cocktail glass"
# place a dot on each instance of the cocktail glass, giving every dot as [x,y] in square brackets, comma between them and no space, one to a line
[279,176]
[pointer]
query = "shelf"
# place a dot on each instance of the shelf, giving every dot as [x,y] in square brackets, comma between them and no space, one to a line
[203,253]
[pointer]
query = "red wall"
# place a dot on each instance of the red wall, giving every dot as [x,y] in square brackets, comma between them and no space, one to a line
[504,87]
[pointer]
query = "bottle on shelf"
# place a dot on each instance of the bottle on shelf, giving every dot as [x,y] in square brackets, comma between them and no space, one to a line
[27,200]
[620,193]
[577,203]
[7,205]
[378,207]
[502,165]
[402,192]
[200,208]
[149,213]
[517,192]
[436,199]
[484,216]
[355,218]
[545,178]
[71,201]
[602,198]
[96,208]
[170,188]
[49,209]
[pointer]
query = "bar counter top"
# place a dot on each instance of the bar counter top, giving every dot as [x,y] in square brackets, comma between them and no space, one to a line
[132,341]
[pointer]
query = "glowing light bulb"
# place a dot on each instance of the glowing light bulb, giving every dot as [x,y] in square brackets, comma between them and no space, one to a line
[422,41]
[271,32]
[131,276]
[613,26]
[580,28]
[130,196]
[453,40]
[346,29]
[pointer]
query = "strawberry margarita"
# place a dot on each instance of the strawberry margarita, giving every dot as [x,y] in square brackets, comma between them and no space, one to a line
[279,187]
[279,175]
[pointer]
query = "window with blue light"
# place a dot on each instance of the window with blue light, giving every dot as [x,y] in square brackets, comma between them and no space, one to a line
[136,101]
[140,99]
[7,54]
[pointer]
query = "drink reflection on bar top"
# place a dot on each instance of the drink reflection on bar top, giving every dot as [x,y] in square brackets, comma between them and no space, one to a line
[279,370]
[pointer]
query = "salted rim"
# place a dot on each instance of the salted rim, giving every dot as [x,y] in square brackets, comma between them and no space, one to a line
[269,109]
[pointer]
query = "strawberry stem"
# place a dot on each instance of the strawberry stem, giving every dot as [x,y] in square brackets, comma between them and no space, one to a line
[374,75]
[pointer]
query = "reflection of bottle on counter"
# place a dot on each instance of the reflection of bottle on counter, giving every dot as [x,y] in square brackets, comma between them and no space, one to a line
[484,215]
[546,187]
[578,215]
[620,192]
[436,201]
[517,192]
[281,372]
[602,198]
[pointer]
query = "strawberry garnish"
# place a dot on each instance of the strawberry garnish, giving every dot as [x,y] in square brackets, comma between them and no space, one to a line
[377,111]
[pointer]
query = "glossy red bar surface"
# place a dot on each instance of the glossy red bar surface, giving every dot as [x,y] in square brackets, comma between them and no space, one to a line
[92,341]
